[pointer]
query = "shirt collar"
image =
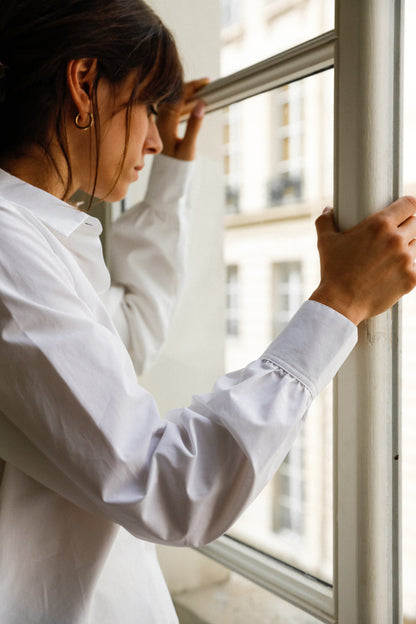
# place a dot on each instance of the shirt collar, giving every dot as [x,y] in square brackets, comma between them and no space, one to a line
[52,211]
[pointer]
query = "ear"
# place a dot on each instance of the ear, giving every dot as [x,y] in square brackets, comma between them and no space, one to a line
[80,75]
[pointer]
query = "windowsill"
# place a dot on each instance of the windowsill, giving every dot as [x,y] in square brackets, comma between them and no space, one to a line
[236,600]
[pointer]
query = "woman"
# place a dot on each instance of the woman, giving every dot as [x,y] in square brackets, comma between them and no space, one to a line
[84,449]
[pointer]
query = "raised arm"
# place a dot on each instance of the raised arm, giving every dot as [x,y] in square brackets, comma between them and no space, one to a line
[149,243]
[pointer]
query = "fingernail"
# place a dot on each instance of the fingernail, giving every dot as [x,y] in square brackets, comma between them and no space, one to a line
[326,209]
[199,110]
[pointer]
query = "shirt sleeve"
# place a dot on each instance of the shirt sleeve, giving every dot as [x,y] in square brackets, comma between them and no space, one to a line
[148,250]
[74,418]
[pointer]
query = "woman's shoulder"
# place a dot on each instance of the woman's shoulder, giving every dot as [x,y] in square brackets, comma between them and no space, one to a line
[18,221]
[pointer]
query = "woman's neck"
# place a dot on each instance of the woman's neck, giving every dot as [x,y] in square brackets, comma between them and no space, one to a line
[35,168]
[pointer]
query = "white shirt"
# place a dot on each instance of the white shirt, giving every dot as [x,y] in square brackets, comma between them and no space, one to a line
[84,448]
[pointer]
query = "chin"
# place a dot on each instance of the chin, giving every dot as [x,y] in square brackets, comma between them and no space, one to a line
[116,194]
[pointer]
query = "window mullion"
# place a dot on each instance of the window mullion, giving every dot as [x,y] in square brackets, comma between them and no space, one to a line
[366,424]
[299,62]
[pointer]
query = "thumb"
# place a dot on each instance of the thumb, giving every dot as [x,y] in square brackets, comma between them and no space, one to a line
[187,148]
[325,224]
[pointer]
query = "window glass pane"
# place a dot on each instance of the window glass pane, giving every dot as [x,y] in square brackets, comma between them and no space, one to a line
[281,143]
[232,157]
[409,336]
[287,294]
[253,30]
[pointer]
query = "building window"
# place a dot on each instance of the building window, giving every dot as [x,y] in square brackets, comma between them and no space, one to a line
[232,301]
[287,293]
[289,484]
[289,492]
[232,148]
[286,183]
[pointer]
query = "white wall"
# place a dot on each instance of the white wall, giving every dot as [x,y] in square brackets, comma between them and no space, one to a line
[193,356]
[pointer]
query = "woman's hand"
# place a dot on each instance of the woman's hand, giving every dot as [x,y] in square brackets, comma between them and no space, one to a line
[367,268]
[169,116]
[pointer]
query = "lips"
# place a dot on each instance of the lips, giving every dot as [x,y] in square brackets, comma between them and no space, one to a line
[136,171]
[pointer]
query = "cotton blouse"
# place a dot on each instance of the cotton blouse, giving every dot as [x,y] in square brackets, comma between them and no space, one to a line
[92,475]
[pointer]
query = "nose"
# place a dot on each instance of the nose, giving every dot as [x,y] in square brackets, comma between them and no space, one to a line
[153,143]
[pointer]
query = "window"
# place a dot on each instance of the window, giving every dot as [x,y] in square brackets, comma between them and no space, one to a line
[289,492]
[276,254]
[286,182]
[271,26]
[288,293]
[360,545]
[289,483]
[231,144]
[360,581]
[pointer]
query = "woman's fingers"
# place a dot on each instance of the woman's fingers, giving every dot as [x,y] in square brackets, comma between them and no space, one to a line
[401,209]
[192,88]
[408,228]
[187,147]
[169,117]
[367,268]
[325,224]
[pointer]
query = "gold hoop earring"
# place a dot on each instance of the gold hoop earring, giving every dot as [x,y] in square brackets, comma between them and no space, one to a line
[89,124]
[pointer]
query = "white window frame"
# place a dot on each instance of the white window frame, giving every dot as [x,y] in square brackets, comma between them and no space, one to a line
[365,49]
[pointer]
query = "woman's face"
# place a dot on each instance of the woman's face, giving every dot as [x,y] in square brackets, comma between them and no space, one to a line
[113,182]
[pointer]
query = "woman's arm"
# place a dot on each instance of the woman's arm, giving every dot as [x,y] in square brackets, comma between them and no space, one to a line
[148,256]
[75,419]
[148,245]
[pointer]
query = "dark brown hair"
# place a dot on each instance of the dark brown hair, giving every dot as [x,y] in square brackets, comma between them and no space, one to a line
[37,40]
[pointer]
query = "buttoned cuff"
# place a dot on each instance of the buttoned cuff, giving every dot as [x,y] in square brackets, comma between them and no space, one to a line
[314,345]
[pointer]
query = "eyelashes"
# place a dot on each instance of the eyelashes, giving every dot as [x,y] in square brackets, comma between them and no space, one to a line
[151,110]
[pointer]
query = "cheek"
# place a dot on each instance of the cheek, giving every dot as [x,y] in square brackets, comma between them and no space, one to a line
[114,147]
[139,127]
[114,139]
[111,153]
